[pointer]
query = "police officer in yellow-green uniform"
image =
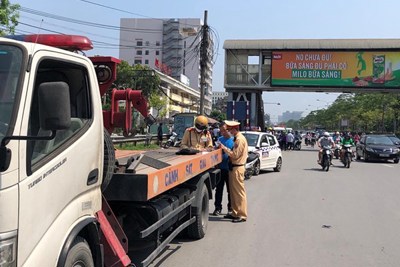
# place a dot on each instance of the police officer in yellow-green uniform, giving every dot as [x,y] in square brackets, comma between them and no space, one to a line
[238,157]
[198,137]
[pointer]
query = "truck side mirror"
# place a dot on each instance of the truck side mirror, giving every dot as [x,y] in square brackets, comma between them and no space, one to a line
[54,106]
[54,114]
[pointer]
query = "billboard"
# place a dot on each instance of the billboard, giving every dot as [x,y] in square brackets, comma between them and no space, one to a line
[374,69]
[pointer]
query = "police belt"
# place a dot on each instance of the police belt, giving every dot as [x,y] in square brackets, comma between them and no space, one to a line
[237,165]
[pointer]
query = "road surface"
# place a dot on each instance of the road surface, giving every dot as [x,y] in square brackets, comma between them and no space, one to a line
[304,217]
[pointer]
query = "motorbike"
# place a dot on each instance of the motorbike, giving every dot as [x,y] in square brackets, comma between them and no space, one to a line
[313,141]
[307,141]
[336,152]
[347,156]
[172,141]
[252,166]
[326,157]
[297,144]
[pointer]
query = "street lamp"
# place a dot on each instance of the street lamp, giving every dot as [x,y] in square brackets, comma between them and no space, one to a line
[272,103]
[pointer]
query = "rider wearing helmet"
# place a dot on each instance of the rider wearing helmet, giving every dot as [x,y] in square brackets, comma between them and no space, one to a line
[336,138]
[197,137]
[325,140]
[346,140]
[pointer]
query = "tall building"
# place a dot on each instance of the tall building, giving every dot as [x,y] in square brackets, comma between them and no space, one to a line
[290,115]
[219,96]
[168,45]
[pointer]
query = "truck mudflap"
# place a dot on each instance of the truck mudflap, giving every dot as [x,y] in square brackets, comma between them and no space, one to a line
[112,236]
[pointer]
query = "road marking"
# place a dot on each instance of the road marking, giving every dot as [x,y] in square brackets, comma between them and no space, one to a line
[386,165]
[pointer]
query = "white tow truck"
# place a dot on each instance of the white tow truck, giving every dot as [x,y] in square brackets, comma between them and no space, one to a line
[63,199]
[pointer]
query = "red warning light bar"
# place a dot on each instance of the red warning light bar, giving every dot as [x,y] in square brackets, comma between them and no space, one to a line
[67,42]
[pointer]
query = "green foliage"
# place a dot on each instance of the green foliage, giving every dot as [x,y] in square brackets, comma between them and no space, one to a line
[9,16]
[365,112]
[128,146]
[137,77]
[293,124]
[159,102]
[218,115]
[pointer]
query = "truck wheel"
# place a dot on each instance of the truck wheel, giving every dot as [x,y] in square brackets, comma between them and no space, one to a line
[79,255]
[197,230]
[109,161]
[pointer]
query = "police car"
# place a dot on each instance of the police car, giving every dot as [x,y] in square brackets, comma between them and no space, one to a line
[268,148]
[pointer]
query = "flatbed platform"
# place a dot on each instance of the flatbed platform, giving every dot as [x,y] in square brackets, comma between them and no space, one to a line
[151,173]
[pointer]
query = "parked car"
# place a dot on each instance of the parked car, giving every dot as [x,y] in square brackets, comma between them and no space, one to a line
[267,146]
[395,140]
[377,147]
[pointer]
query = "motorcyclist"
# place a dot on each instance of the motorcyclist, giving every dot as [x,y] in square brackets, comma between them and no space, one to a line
[297,138]
[325,140]
[346,140]
[336,138]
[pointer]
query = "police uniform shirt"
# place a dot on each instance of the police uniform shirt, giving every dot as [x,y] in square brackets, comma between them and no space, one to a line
[238,154]
[193,139]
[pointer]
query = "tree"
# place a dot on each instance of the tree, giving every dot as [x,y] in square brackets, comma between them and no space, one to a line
[365,112]
[137,77]
[159,103]
[9,16]
[218,115]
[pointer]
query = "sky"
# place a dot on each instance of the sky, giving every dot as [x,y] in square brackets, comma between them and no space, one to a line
[251,19]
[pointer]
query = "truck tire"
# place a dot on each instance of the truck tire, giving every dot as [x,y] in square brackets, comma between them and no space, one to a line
[197,230]
[109,161]
[79,254]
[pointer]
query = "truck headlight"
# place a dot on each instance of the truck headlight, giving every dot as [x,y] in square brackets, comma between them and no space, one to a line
[8,251]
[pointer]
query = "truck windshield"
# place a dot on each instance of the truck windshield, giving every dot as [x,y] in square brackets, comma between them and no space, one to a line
[10,68]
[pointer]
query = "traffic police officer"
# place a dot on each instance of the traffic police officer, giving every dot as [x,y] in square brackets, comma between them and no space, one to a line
[238,157]
[198,137]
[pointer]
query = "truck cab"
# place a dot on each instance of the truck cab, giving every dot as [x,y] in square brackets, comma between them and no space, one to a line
[48,188]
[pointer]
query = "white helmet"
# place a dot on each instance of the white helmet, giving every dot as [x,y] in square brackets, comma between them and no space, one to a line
[326,134]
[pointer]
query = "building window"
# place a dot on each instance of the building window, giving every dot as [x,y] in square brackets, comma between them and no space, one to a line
[139,52]
[146,52]
[157,52]
[158,43]
[147,43]
[146,62]
[138,61]
[139,43]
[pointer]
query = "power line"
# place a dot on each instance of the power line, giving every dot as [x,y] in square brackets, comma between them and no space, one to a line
[82,22]
[113,8]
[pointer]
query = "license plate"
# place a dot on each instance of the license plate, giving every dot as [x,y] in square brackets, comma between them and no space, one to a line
[384,155]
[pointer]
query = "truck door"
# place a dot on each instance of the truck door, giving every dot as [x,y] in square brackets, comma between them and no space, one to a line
[60,181]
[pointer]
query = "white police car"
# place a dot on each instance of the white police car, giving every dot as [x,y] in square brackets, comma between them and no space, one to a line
[268,148]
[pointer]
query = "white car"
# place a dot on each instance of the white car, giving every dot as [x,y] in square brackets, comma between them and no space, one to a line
[268,148]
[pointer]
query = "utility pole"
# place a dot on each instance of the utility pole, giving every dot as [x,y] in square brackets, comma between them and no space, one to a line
[204,59]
